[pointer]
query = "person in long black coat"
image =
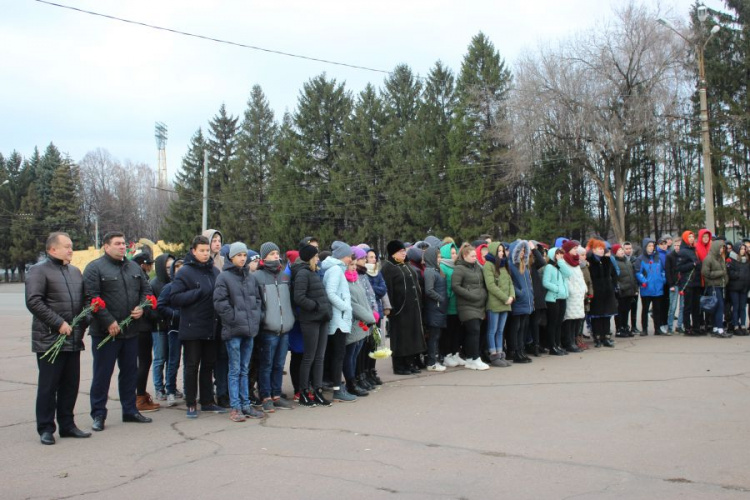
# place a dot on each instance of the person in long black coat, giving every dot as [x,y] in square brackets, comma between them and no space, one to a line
[604,302]
[407,336]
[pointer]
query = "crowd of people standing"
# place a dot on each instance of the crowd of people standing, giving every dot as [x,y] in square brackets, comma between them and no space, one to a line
[231,315]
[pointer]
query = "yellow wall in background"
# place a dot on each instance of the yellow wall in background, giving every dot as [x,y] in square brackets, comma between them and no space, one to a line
[81,258]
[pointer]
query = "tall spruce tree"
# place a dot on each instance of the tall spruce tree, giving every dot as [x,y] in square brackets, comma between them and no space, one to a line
[246,198]
[64,207]
[288,218]
[27,232]
[478,142]
[184,218]
[222,150]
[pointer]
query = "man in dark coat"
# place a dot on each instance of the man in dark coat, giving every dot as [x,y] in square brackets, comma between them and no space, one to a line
[120,283]
[407,336]
[54,295]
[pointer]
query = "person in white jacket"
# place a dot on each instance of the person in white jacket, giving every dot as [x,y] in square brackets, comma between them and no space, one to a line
[575,310]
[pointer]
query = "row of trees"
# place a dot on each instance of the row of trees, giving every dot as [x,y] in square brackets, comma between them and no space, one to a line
[595,134]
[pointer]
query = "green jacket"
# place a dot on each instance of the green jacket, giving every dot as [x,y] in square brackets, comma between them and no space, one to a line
[447,266]
[499,288]
[468,285]
[714,269]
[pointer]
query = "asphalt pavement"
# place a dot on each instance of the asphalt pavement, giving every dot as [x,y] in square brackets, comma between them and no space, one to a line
[655,417]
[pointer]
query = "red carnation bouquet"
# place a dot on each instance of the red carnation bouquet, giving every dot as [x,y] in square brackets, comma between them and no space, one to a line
[150,302]
[97,304]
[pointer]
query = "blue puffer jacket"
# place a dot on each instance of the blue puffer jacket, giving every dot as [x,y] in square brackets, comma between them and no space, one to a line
[339,295]
[649,271]
[524,303]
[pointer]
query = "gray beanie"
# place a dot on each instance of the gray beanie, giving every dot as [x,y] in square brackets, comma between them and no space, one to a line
[267,248]
[433,241]
[236,248]
[339,250]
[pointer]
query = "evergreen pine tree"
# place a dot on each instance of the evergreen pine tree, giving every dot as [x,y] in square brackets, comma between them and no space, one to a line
[246,198]
[222,149]
[27,233]
[184,219]
[64,207]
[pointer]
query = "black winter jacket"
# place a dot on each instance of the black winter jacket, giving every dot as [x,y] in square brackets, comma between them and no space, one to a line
[626,280]
[193,293]
[739,275]
[122,286]
[536,270]
[670,269]
[435,291]
[158,283]
[237,302]
[54,294]
[688,267]
[309,294]
[604,279]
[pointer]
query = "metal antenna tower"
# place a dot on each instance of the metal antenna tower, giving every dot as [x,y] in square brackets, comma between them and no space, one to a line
[160,134]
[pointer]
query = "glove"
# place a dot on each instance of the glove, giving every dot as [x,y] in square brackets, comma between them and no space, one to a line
[377,316]
[644,285]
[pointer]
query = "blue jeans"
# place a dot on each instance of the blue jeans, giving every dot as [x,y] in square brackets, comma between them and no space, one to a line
[273,349]
[350,361]
[221,369]
[239,350]
[717,292]
[173,361]
[674,299]
[159,341]
[495,326]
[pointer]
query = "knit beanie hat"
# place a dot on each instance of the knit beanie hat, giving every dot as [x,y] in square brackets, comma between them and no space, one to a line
[236,248]
[306,241]
[394,246]
[292,256]
[359,253]
[267,248]
[434,241]
[569,245]
[616,248]
[252,255]
[339,250]
[307,252]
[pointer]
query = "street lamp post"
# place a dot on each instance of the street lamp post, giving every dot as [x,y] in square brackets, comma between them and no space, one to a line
[700,49]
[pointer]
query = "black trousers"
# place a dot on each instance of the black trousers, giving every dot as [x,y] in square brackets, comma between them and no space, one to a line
[337,342]
[124,352]
[571,329]
[692,309]
[57,391]
[200,358]
[624,304]
[314,338]
[555,316]
[473,328]
[145,357]
[656,303]
[634,312]
[517,328]
[453,337]
[600,327]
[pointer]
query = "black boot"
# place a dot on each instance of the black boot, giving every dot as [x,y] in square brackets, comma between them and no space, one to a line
[606,342]
[364,383]
[518,357]
[374,377]
[356,390]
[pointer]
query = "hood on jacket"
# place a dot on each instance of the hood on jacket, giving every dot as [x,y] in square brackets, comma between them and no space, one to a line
[330,262]
[492,248]
[515,251]
[430,257]
[415,255]
[478,251]
[715,250]
[559,242]
[645,242]
[298,265]
[551,255]
[174,263]
[160,268]
[209,233]
[445,251]
[434,241]
[224,252]
[700,248]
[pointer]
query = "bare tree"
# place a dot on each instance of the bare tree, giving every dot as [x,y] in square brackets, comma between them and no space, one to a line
[601,98]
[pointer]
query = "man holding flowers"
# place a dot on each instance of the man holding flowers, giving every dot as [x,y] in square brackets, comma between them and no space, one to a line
[120,283]
[54,296]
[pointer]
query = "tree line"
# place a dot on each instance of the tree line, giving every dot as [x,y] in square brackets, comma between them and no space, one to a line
[594,134]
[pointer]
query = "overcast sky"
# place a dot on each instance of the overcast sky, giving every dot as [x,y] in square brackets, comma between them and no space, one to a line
[86,82]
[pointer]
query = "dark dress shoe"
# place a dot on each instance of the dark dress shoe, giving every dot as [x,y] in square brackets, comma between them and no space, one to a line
[47,438]
[74,432]
[402,372]
[572,348]
[137,418]
[414,369]
[607,343]
[98,424]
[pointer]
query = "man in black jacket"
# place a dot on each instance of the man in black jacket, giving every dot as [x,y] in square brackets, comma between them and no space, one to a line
[675,299]
[146,329]
[120,283]
[54,295]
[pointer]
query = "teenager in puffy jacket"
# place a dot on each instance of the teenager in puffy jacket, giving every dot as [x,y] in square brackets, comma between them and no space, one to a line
[575,308]
[471,300]
[628,286]
[500,296]
[523,305]
[651,278]
[435,306]
[453,334]
[714,272]
[556,298]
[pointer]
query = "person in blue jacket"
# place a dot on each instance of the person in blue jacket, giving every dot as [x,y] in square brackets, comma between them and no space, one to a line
[523,306]
[651,276]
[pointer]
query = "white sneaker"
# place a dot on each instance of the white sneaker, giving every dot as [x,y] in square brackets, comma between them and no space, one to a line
[437,367]
[170,400]
[458,359]
[450,361]
[480,365]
